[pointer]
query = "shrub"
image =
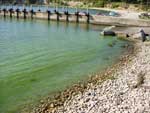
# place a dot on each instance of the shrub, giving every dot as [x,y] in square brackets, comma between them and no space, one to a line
[99,4]
[136,5]
[115,5]
[63,3]
[145,8]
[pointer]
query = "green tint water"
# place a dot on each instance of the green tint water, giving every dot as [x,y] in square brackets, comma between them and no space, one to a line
[39,57]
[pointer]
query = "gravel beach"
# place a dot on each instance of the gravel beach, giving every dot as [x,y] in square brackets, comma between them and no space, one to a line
[128,91]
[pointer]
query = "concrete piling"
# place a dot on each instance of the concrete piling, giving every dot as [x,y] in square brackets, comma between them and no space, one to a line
[32,13]
[77,16]
[24,13]
[49,13]
[88,17]
[67,16]
[10,12]
[17,11]
[57,13]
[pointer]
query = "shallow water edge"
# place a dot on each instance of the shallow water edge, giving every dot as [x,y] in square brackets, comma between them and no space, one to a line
[52,104]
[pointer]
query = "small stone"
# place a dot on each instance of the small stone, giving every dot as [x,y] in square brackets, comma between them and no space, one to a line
[52,105]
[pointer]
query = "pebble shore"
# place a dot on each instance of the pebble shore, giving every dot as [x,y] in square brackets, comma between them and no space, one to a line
[126,91]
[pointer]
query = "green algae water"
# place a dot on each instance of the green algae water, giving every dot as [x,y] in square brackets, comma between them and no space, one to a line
[39,58]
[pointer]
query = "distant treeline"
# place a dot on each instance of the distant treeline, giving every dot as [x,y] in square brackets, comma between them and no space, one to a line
[103,2]
[22,1]
[97,1]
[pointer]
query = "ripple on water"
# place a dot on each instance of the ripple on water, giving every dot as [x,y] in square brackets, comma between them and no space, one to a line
[38,58]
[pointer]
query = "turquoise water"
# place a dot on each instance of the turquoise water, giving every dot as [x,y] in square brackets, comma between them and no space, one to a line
[38,58]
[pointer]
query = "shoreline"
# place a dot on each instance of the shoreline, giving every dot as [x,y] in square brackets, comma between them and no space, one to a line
[57,103]
[127,92]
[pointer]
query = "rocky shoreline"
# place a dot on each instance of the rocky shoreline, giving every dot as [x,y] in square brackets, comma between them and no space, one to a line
[122,88]
[128,92]
[108,91]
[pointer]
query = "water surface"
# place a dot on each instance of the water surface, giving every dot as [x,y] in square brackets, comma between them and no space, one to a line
[38,58]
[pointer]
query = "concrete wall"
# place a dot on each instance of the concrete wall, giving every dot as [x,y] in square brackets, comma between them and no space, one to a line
[119,21]
[94,19]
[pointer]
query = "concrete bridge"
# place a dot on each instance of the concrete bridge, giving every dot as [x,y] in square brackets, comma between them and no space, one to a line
[74,17]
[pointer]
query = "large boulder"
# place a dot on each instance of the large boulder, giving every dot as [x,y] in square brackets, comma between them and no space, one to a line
[108,33]
[140,35]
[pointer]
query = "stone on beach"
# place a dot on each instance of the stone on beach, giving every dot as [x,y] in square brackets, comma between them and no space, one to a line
[140,35]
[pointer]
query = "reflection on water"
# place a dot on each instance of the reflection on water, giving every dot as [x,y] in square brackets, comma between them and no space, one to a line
[40,57]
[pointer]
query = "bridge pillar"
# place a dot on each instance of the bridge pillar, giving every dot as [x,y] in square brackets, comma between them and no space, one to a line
[57,13]
[77,16]
[49,13]
[24,13]
[67,16]
[11,11]
[4,11]
[18,11]
[32,13]
[88,17]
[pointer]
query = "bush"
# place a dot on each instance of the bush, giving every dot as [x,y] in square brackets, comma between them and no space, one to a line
[136,5]
[63,3]
[145,8]
[99,4]
[115,5]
